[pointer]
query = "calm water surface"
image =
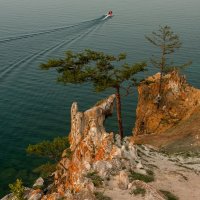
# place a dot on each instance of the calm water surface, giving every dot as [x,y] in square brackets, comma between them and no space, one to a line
[33,107]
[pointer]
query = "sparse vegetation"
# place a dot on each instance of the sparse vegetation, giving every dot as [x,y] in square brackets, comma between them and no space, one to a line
[96,179]
[150,172]
[138,190]
[17,189]
[142,177]
[101,196]
[184,154]
[51,150]
[169,195]
[46,169]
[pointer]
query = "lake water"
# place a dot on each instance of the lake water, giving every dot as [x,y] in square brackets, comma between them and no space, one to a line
[33,107]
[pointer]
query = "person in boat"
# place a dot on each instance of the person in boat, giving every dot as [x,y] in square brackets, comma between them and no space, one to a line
[110,13]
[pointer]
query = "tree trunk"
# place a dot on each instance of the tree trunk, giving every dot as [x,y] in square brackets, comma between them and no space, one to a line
[163,60]
[119,116]
[160,89]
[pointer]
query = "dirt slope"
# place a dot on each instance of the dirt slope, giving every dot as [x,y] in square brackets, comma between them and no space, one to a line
[181,138]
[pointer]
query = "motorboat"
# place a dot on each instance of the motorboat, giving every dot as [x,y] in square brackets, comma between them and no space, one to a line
[108,15]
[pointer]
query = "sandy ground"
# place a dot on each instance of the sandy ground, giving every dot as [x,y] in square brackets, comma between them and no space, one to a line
[178,175]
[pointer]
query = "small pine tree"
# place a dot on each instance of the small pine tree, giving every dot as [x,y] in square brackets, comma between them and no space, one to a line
[49,149]
[52,150]
[113,72]
[99,68]
[71,69]
[167,42]
[17,189]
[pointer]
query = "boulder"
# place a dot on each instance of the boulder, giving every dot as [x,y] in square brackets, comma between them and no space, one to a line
[123,180]
[39,182]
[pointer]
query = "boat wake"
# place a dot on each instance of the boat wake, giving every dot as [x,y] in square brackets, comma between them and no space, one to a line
[28,35]
[82,30]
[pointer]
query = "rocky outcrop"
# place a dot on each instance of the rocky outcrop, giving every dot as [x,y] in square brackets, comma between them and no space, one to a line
[96,154]
[177,102]
[100,163]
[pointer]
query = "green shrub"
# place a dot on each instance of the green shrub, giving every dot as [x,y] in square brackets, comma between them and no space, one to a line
[142,177]
[49,149]
[138,191]
[45,170]
[169,195]
[96,179]
[100,196]
[17,189]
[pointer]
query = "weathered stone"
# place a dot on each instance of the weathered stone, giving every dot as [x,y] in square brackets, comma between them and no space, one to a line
[102,167]
[35,195]
[85,195]
[54,196]
[39,182]
[9,197]
[123,180]
[118,140]
[91,146]
[96,156]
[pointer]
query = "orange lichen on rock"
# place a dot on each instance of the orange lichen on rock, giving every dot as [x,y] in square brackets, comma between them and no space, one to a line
[89,142]
[95,154]
[178,101]
[105,148]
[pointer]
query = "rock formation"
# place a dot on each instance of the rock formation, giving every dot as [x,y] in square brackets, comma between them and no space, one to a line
[178,102]
[93,151]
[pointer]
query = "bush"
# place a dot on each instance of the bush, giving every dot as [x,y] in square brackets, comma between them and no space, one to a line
[50,149]
[17,189]
[45,170]
[96,179]
[169,195]
[100,196]
[142,177]
[138,191]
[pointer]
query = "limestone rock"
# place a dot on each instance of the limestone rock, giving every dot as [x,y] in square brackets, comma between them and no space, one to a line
[97,156]
[123,180]
[84,195]
[8,197]
[39,182]
[102,167]
[178,102]
[35,195]
[91,147]
[54,196]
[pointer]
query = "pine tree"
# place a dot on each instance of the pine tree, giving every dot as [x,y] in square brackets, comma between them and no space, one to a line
[110,72]
[167,42]
[51,151]
[103,70]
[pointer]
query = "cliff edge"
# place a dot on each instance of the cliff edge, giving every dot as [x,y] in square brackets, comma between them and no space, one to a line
[179,105]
